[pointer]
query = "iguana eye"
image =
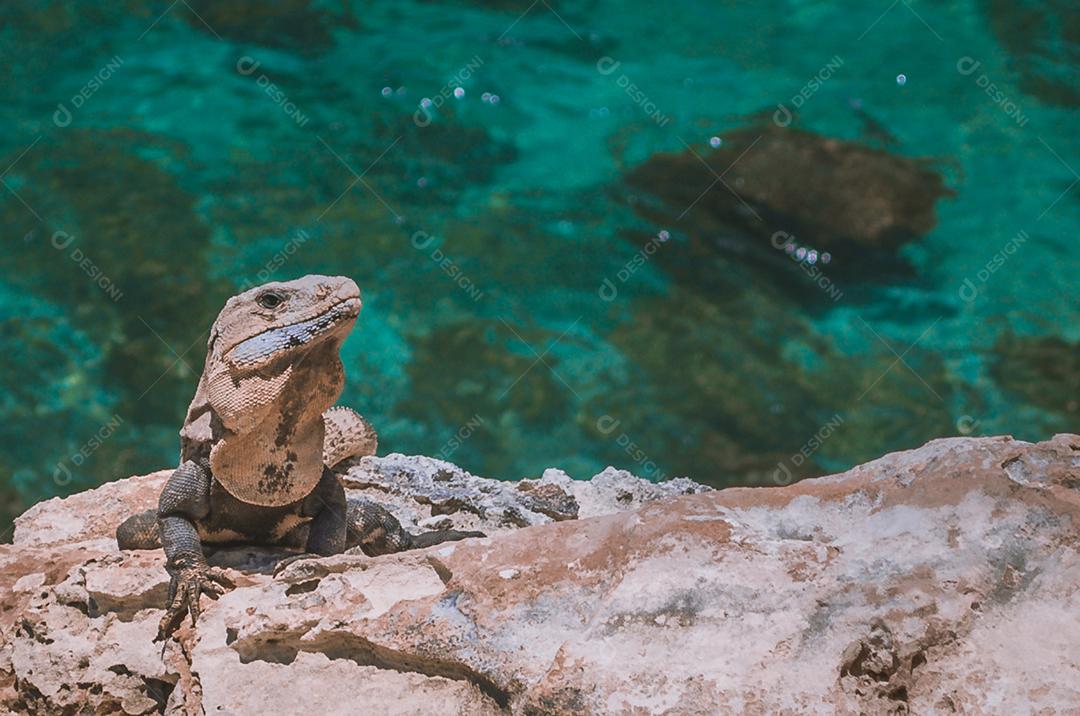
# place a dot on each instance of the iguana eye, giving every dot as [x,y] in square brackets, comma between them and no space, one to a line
[270,300]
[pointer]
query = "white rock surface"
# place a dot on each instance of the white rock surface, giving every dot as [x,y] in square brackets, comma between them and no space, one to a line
[939,580]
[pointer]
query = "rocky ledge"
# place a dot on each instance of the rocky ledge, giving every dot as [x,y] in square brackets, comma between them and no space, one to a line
[940,580]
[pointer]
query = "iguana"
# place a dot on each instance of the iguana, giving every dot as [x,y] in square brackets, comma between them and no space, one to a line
[259,441]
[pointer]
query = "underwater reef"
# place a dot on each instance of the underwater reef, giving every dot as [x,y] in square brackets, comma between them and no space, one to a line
[843,197]
[596,243]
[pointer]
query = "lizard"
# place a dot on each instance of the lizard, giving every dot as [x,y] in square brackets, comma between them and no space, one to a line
[259,443]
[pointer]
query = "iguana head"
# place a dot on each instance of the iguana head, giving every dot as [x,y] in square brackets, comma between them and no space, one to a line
[277,322]
[272,368]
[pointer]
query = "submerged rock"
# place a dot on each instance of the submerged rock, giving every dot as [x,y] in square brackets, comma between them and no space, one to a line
[743,383]
[828,193]
[934,580]
[1044,371]
[299,25]
[1042,40]
[126,306]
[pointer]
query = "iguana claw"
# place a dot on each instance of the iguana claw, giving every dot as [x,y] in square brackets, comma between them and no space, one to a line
[186,587]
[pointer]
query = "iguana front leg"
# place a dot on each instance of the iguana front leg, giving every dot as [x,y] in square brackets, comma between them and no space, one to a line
[186,498]
[326,534]
[326,503]
[340,523]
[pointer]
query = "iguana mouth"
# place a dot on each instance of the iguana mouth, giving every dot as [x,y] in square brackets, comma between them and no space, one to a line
[282,339]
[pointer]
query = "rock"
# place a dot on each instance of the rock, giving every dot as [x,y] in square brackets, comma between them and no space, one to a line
[1041,40]
[419,489]
[87,515]
[293,24]
[739,383]
[824,193]
[942,579]
[614,490]
[1043,371]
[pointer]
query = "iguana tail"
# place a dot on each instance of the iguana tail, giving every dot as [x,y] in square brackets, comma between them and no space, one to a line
[140,531]
[375,530]
[348,434]
[427,539]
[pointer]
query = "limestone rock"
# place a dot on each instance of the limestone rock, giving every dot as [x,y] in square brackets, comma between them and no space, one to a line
[418,488]
[938,580]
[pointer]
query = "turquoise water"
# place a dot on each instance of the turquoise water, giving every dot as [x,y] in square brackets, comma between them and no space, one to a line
[161,157]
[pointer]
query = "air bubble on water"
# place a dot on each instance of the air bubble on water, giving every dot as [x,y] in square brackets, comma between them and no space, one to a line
[421,182]
[494,99]
[485,97]
[664,235]
[401,91]
[901,80]
[425,102]
[386,91]
[789,248]
[715,142]
[800,253]
[812,256]
[459,92]
[826,257]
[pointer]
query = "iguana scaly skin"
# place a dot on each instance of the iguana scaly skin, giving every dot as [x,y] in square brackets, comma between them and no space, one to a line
[259,441]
